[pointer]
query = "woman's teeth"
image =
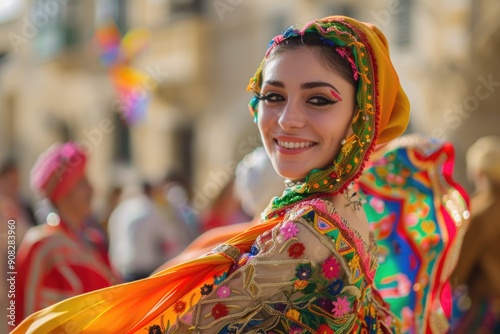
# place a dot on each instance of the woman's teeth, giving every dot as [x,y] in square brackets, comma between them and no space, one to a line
[291,144]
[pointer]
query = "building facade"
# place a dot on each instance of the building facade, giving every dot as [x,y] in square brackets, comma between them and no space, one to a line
[53,87]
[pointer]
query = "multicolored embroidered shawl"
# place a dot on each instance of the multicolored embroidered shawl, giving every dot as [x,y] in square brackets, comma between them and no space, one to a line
[419,215]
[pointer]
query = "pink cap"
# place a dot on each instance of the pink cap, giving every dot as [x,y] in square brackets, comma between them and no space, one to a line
[58,169]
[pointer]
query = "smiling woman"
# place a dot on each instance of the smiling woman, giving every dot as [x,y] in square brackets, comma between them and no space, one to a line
[305,112]
[325,95]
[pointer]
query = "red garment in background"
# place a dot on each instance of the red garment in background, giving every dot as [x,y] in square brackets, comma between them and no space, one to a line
[53,264]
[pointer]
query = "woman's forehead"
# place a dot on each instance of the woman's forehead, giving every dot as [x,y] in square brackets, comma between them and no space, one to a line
[302,65]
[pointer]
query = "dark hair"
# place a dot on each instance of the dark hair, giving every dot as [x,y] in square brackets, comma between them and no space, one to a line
[327,53]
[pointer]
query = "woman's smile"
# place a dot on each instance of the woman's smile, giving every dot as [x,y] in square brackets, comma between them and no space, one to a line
[289,145]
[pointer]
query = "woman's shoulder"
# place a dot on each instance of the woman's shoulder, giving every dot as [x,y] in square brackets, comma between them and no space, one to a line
[324,216]
[321,216]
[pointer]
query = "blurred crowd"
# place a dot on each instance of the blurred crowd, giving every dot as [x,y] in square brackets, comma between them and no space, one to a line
[64,249]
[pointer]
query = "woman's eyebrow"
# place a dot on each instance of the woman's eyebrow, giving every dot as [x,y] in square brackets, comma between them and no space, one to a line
[275,83]
[315,84]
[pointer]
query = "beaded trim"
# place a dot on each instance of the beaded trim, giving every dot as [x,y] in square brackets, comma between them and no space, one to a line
[229,251]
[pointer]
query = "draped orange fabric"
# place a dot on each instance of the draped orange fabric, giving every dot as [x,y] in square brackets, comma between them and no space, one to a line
[129,307]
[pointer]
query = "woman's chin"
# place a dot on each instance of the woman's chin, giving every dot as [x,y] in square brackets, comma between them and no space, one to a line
[295,177]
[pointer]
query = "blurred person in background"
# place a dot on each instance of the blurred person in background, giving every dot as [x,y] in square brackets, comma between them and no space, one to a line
[225,209]
[173,198]
[112,201]
[16,216]
[57,260]
[141,238]
[12,204]
[247,193]
[478,268]
[255,183]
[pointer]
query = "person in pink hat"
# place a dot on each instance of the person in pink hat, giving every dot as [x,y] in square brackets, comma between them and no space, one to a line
[57,260]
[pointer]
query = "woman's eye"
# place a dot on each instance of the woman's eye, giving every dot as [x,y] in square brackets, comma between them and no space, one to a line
[270,97]
[321,101]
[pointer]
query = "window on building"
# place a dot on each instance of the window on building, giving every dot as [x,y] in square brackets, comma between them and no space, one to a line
[112,10]
[71,24]
[64,132]
[403,23]
[57,25]
[186,7]
[47,28]
[122,152]
[341,9]
[183,138]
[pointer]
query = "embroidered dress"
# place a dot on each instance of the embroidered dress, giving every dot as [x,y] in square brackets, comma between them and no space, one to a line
[309,274]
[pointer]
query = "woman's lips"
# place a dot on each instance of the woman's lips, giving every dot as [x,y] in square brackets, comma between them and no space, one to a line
[293,146]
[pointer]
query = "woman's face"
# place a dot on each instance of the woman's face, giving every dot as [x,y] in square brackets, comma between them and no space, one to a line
[304,113]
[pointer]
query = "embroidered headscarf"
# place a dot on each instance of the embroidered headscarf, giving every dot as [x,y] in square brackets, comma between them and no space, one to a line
[382,112]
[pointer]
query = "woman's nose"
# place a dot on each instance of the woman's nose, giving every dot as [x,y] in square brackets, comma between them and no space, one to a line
[291,116]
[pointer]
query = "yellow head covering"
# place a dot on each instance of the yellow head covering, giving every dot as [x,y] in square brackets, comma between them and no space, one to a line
[382,106]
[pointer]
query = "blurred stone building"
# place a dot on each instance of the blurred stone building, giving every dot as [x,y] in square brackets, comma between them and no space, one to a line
[202,53]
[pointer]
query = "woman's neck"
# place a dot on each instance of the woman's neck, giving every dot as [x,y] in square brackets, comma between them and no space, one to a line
[353,214]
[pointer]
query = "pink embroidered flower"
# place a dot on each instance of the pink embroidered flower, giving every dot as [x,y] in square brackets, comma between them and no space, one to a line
[341,307]
[325,329]
[296,250]
[179,306]
[224,291]
[219,310]
[330,268]
[289,230]
[295,330]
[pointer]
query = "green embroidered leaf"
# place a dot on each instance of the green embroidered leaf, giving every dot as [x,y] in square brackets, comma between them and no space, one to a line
[310,288]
